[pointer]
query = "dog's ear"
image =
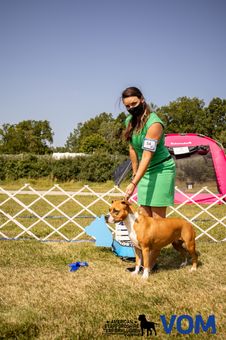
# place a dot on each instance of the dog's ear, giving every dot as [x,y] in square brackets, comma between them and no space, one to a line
[125,201]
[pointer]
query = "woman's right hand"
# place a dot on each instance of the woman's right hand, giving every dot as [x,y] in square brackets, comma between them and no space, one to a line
[130,189]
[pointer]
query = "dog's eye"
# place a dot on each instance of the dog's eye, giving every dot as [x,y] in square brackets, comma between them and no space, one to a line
[116,212]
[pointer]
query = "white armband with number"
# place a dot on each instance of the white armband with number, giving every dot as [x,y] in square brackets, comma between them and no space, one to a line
[150,144]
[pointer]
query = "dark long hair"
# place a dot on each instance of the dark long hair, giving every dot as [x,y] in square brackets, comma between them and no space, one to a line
[137,122]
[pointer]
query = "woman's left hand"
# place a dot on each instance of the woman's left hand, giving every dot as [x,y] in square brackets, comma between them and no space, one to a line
[129,190]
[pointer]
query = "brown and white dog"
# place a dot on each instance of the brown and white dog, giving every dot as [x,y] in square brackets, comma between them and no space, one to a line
[149,235]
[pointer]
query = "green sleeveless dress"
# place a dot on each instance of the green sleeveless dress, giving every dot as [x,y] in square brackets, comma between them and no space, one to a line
[156,187]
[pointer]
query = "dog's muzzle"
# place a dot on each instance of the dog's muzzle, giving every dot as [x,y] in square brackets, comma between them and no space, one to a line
[109,218]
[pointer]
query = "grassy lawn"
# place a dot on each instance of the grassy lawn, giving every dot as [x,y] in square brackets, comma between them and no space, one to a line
[40,298]
[46,183]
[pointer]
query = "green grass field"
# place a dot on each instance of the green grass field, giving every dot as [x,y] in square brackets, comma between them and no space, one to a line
[41,299]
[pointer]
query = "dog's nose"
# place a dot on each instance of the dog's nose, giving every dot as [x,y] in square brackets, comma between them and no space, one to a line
[106,217]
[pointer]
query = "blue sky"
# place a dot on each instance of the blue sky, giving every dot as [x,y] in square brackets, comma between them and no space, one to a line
[68,60]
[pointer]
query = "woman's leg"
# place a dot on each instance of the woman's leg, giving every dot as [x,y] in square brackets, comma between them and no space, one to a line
[145,210]
[158,212]
[155,212]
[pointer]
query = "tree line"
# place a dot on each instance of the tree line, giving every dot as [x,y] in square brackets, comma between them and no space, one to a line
[103,133]
[26,147]
[91,168]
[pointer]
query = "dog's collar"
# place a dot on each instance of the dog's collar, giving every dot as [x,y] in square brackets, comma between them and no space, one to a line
[117,221]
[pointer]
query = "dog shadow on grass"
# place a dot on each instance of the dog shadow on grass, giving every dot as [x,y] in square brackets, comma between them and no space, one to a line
[170,259]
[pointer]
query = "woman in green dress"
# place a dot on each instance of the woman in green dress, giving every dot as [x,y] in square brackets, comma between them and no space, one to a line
[153,167]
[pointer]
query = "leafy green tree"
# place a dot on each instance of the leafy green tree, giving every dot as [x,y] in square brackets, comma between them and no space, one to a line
[8,141]
[215,120]
[72,142]
[85,130]
[102,132]
[112,131]
[189,115]
[183,115]
[28,136]
[92,143]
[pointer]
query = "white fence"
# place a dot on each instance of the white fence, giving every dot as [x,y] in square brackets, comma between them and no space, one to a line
[57,214]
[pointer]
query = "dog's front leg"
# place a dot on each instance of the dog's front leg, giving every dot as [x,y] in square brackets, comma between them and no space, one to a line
[146,259]
[138,253]
[153,256]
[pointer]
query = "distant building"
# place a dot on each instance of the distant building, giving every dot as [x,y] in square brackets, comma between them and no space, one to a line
[61,155]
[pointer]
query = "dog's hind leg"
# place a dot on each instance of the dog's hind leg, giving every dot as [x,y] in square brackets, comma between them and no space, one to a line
[191,249]
[178,245]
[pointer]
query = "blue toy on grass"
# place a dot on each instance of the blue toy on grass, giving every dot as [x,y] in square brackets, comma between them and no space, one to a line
[76,265]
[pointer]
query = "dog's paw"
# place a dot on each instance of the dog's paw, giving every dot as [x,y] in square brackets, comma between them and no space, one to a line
[145,277]
[146,273]
[135,272]
[192,269]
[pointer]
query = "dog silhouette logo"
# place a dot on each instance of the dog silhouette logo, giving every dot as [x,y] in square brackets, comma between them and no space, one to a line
[145,324]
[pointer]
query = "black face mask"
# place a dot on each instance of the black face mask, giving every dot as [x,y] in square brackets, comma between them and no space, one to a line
[137,110]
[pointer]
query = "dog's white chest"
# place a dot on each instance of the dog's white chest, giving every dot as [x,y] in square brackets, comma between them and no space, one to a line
[129,223]
[133,238]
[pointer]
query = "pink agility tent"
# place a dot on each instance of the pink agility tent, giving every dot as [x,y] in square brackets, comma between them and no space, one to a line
[192,147]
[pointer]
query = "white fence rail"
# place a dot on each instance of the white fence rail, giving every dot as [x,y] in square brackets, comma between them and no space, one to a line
[57,214]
